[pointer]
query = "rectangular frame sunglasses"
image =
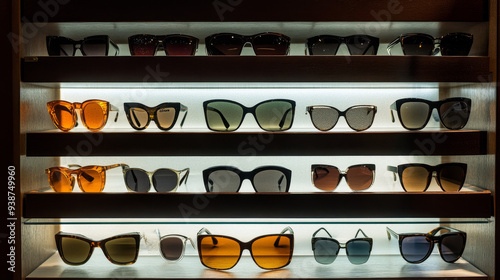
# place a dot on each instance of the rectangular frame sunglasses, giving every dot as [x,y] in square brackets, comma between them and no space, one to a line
[162,179]
[358,117]
[172,246]
[326,249]
[99,45]
[451,44]
[230,179]
[417,247]
[76,249]
[91,178]
[164,115]
[222,252]
[329,44]
[416,177]
[270,115]
[358,177]
[414,113]
[173,45]
[267,43]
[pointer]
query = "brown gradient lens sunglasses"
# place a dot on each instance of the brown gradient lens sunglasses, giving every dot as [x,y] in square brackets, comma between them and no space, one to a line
[358,177]
[91,178]
[94,113]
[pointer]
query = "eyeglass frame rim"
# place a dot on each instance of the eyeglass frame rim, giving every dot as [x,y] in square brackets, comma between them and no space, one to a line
[126,168]
[80,42]
[374,42]
[341,245]
[158,40]
[246,39]
[179,107]
[371,167]
[310,109]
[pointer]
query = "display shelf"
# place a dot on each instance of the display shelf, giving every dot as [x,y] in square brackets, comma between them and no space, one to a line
[301,267]
[133,143]
[259,205]
[256,69]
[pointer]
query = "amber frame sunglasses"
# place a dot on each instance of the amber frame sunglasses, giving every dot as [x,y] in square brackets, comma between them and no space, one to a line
[96,243]
[92,118]
[207,241]
[82,173]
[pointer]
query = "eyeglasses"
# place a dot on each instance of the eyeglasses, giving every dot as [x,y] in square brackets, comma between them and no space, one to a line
[94,114]
[163,179]
[358,117]
[164,115]
[326,249]
[329,44]
[264,179]
[358,177]
[417,247]
[414,113]
[227,115]
[91,178]
[76,249]
[452,44]
[223,252]
[416,177]
[148,45]
[268,43]
[100,45]
[172,246]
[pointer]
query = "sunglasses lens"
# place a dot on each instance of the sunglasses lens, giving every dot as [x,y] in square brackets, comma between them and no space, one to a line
[454,114]
[275,115]
[142,45]
[269,44]
[358,251]
[60,182]
[94,115]
[360,117]
[59,46]
[324,46]
[456,44]
[361,45]
[415,248]
[452,247]
[415,179]
[359,178]
[180,46]
[229,44]
[223,181]
[271,252]
[417,45]
[270,181]
[166,117]
[95,46]
[223,116]
[74,251]
[137,180]
[218,252]
[452,178]
[139,117]
[414,115]
[122,250]
[326,251]
[165,180]
[62,115]
[171,248]
[324,118]
[91,179]
[326,178]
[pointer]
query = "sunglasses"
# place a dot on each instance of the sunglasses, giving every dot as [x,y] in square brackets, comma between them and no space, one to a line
[76,249]
[358,177]
[100,45]
[148,45]
[264,179]
[163,179]
[227,115]
[414,113]
[326,249]
[164,115]
[417,247]
[416,177]
[268,43]
[91,178]
[452,44]
[358,117]
[172,246]
[270,251]
[329,44]
[94,114]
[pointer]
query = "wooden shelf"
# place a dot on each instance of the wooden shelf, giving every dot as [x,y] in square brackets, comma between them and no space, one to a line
[256,69]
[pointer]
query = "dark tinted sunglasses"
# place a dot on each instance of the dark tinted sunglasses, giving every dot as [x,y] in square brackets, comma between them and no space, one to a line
[329,44]
[163,179]
[268,43]
[177,44]
[358,177]
[100,45]
[452,44]
[172,246]
[359,117]
[264,179]
[164,115]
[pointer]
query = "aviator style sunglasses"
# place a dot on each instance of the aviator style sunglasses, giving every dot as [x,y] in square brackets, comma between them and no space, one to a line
[163,179]
[100,45]
[172,246]
[452,44]
[358,177]
[164,115]
[359,117]
[329,44]
[91,178]
[176,44]
[268,43]
[221,252]
[417,247]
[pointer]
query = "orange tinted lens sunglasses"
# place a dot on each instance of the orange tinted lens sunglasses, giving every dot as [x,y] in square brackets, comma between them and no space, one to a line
[94,113]
[90,178]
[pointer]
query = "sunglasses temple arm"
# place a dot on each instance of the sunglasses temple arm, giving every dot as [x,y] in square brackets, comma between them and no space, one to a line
[114,108]
[438,229]
[115,46]
[277,242]
[191,241]
[226,124]
[362,232]
[391,232]
[184,109]
[204,230]
[283,119]
[393,107]
[157,231]
[135,117]
[185,177]
[392,44]
[316,232]
[394,171]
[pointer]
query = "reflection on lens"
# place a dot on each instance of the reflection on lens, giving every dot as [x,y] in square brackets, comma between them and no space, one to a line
[60,182]
[171,248]
[361,45]
[91,180]
[122,250]
[223,181]
[415,179]
[270,44]
[452,247]
[326,251]
[270,181]
[165,180]
[223,116]
[74,251]
[94,46]
[93,115]
[417,45]
[451,178]
[275,115]
[360,117]
[137,180]
[219,252]
[142,45]
[326,178]
[324,118]
[358,251]
[454,114]
[414,115]
[271,252]
[139,117]
[415,248]
[359,178]
[226,44]
[165,117]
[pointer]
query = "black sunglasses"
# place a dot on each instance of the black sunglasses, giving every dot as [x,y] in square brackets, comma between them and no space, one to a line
[268,43]
[359,117]
[175,44]
[416,177]
[356,44]
[264,179]
[452,44]
[414,113]
[326,249]
[164,115]
[417,247]
[99,45]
